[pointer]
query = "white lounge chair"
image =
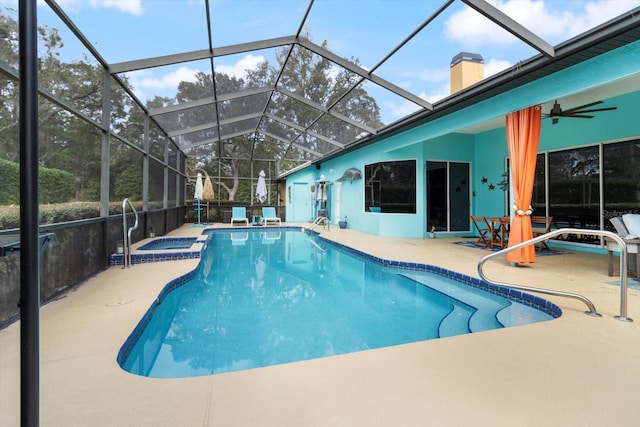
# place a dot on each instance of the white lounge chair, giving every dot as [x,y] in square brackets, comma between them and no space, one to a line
[239,214]
[269,215]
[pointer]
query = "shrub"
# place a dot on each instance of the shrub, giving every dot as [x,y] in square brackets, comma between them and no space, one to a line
[54,185]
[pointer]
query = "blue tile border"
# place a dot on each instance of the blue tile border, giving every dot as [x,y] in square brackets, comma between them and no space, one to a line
[118,259]
[512,294]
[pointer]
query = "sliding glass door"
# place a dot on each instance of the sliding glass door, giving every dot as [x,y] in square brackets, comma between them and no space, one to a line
[448,196]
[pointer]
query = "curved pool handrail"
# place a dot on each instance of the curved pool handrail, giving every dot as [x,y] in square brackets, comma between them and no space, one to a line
[126,256]
[592,309]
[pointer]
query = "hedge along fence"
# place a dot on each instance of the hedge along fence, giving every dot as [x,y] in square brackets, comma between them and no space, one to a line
[55,185]
[53,213]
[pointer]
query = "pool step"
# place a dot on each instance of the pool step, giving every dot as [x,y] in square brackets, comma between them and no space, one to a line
[485,311]
[456,321]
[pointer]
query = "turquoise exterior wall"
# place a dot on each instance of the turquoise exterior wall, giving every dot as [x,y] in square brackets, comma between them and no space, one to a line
[441,140]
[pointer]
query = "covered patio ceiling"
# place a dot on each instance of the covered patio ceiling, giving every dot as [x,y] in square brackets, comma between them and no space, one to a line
[152,55]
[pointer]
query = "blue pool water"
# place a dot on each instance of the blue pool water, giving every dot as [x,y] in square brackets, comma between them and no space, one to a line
[168,243]
[273,296]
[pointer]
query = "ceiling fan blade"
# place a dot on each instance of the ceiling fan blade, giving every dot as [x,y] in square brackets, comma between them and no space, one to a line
[593,110]
[578,116]
[572,110]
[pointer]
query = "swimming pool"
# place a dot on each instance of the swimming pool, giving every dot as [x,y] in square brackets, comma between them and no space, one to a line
[273,296]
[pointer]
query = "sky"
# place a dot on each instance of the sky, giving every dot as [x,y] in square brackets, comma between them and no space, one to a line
[368,30]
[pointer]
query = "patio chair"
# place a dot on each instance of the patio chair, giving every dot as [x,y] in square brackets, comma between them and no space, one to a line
[484,230]
[541,225]
[633,245]
[499,229]
[239,214]
[269,215]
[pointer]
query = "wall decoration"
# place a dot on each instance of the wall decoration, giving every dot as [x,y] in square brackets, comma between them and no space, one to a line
[350,174]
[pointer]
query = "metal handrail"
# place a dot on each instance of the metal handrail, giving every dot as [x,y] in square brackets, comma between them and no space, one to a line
[592,309]
[126,258]
[321,220]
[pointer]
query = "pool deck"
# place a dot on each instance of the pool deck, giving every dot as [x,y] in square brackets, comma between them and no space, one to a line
[577,370]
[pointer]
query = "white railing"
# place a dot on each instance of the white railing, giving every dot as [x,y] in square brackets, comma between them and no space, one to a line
[126,256]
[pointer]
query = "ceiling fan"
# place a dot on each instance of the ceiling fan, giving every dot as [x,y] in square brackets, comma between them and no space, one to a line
[577,112]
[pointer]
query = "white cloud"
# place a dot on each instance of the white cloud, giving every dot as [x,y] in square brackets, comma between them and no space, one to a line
[494,66]
[130,6]
[598,12]
[145,82]
[539,16]
[438,93]
[133,7]
[171,80]
[402,109]
[239,69]
[397,111]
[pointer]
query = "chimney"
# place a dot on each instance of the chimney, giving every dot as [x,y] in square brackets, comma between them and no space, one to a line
[466,69]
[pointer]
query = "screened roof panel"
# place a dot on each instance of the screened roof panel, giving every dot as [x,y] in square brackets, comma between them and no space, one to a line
[241,127]
[242,106]
[274,145]
[334,70]
[300,112]
[182,118]
[370,36]
[246,70]
[203,153]
[129,30]
[278,129]
[240,148]
[251,20]
[294,77]
[198,137]
[334,131]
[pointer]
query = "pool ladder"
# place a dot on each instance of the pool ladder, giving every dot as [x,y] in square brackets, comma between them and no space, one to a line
[321,220]
[592,309]
[126,256]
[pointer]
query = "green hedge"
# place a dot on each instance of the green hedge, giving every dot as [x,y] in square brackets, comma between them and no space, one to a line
[10,179]
[55,185]
[59,212]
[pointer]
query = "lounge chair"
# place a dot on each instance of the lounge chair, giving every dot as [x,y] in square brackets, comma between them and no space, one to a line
[269,215]
[239,214]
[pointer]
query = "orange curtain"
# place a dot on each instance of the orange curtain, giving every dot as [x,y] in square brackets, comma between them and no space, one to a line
[523,138]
